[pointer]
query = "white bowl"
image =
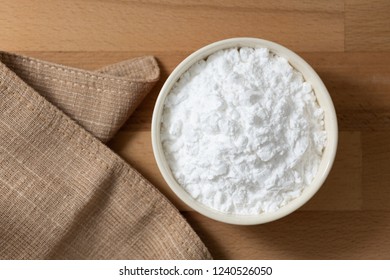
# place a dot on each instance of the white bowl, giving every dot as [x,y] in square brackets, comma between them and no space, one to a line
[323,99]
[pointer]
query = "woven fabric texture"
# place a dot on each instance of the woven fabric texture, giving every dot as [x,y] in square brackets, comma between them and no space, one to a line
[63,193]
[100,101]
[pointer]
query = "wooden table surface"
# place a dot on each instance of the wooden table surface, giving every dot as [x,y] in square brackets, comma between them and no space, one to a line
[347,43]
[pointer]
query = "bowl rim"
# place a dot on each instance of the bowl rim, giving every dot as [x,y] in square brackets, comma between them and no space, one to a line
[323,98]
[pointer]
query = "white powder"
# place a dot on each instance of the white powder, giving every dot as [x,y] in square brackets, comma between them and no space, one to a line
[242,131]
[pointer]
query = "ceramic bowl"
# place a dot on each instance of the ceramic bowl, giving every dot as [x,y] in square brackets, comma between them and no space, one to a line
[323,99]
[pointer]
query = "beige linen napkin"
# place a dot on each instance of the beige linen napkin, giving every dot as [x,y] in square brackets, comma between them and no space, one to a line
[63,193]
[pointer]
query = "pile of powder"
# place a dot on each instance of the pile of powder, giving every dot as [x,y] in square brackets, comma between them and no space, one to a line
[242,131]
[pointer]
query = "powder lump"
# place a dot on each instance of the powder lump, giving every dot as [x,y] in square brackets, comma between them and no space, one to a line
[242,131]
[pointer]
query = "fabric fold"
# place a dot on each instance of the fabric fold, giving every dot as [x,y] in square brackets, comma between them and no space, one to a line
[100,101]
[63,193]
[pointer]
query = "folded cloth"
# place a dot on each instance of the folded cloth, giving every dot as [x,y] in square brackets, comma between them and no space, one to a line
[100,101]
[63,193]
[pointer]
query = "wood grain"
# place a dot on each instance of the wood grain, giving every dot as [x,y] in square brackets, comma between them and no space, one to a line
[376,170]
[174,25]
[303,235]
[367,25]
[346,42]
